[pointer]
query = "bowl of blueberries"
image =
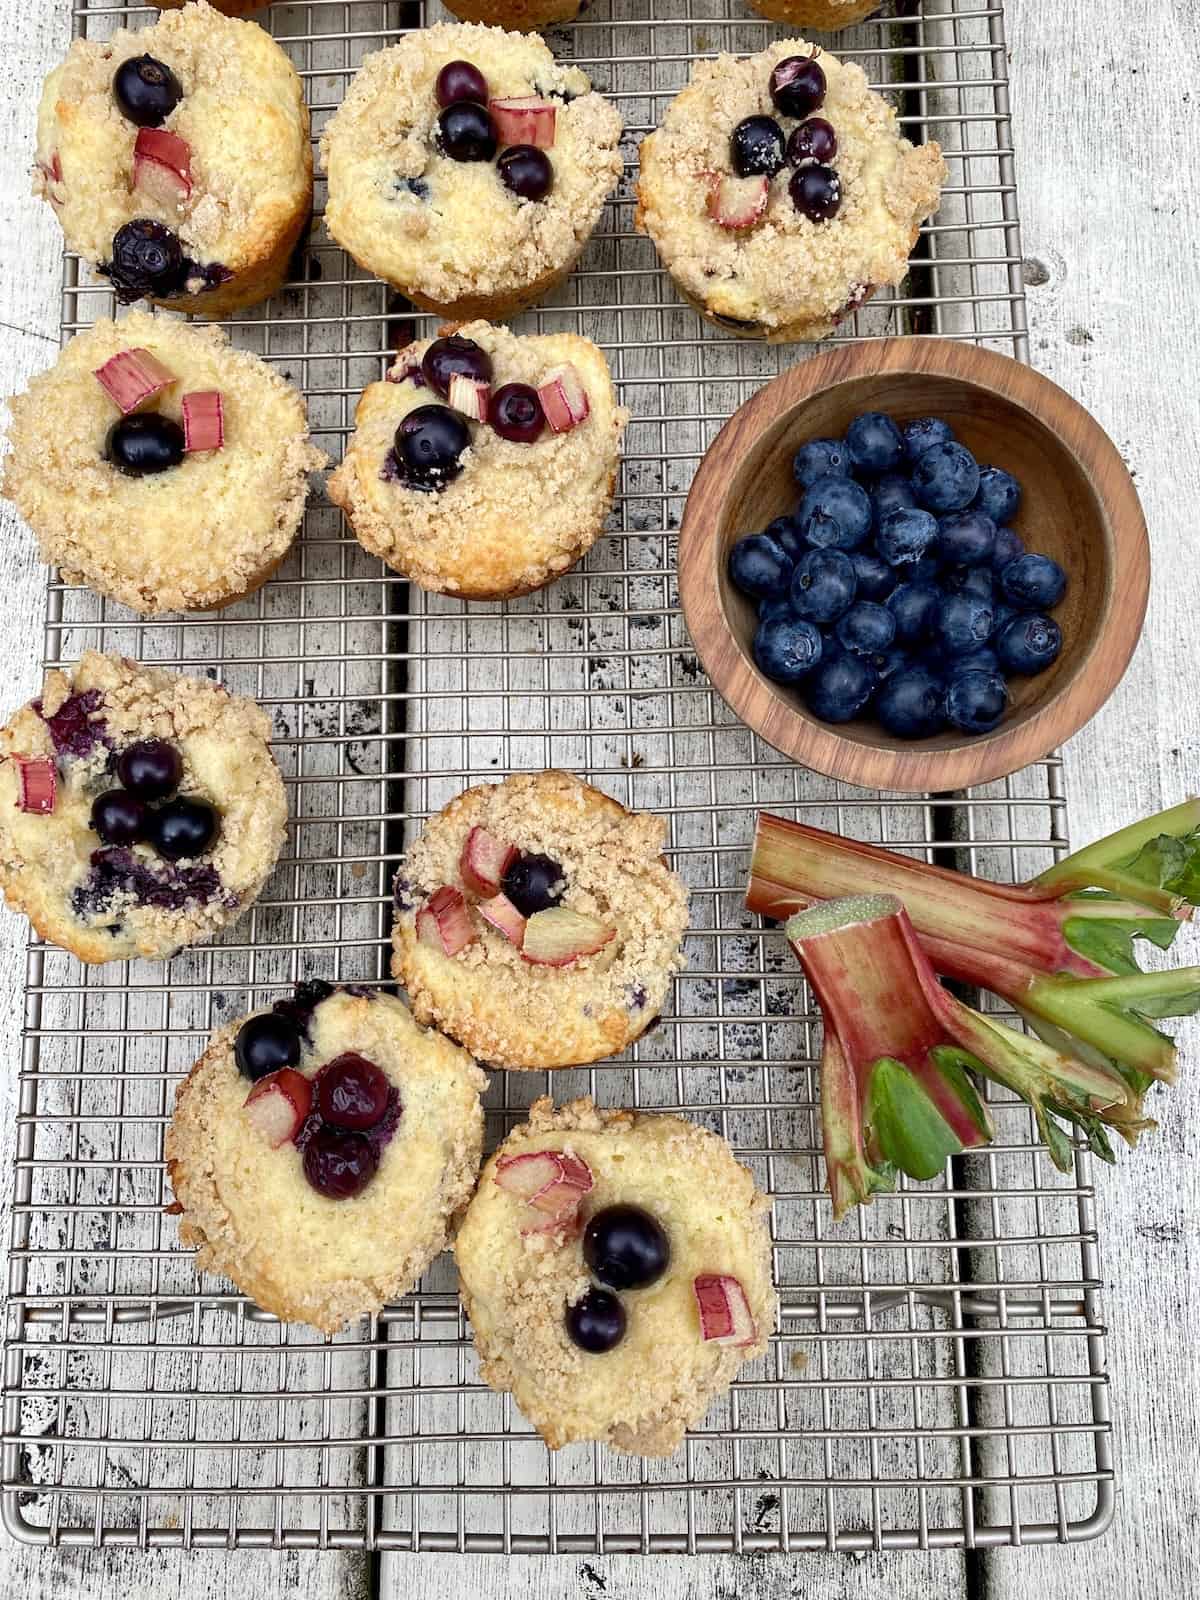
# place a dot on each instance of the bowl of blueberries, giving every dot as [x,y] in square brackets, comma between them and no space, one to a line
[914,565]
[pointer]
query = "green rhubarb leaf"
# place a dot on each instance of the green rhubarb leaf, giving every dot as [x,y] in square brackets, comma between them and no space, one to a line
[1167,862]
[955,1066]
[1109,943]
[905,1125]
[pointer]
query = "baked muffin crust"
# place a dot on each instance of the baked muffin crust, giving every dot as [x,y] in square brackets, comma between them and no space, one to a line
[828,15]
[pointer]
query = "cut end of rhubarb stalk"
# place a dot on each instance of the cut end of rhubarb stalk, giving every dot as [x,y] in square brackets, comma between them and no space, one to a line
[558,937]
[550,1182]
[483,862]
[278,1104]
[469,397]
[525,119]
[203,420]
[738,203]
[499,912]
[37,783]
[564,399]
[132,377]
[162,167]
[725,1315]
[831,916]
[445,923]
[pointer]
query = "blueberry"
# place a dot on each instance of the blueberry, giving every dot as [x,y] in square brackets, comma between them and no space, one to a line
[534,883]
[464,131]
[119,818]
[625,1247]
[891,493]
[146,90]
[182,829]
[876,579]
[945,478]
[814,140]
[798,86]
[976,701]
[339,1165]
[889,662]
[875,444]
[823,585]
[429,446]
[816,191]
[1028,644]
[352,1092]
[596,1323]
[144,443]
[966,538]
[999,494]
[774,606]
[787,648]
[820,458]
[927,570]
[978,581]
[963,622]
[925,431]
[453,356]
[914,606]
[150,769]
[515,413]
[264,1044]
[787,535]
[867,628]
[911,704]
[835,513]
[984,659]
[1033,583]
[526,172]
[147,259]
[905,535]
[840,687]
[460,80]
[759,566]
[1008,547]
[756,147]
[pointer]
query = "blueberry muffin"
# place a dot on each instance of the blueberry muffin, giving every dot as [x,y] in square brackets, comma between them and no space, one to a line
[468,169]
[780,194]
[321,1150]
[160,466]
[485,465]
[616,1268]
[140,810]
[537,923]
[177,159]
[828,15]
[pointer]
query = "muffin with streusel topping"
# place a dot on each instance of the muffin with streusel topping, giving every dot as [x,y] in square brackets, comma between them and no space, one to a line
[829,15]
[467,168]
[177,159]
[140,810]
[485,465]
[780,194]
[537,922]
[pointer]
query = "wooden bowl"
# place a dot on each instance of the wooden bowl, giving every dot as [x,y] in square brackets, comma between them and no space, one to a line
[1079,506]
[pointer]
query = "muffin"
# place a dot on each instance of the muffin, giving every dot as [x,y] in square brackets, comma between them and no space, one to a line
[616,1268]
[516,15]
[537,923]
[828,15]
[774,222]
[160,466]
[507,488]
[178,161]
[321,1150]
[227,8]
[467,168]
[140,810]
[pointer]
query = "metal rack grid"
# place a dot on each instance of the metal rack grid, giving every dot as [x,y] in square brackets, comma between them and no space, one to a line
[938,1376]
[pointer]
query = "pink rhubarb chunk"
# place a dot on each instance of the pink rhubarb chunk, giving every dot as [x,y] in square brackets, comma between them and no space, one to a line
[551,1182]
[559,936]
[469,397]
[564,399]
[725,1315]
[203,420]
[526,119]
[500,913]
[162,166]
[278,1104]
[445,923]
[738,203]
[132,377]
[37,779]
[484,860]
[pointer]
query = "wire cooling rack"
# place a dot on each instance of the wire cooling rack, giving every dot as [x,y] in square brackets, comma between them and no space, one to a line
[938,1376]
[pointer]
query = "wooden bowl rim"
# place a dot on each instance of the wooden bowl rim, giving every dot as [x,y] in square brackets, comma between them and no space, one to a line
[917,769]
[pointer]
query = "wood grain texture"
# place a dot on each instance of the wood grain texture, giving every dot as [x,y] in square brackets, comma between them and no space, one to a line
[1078,506]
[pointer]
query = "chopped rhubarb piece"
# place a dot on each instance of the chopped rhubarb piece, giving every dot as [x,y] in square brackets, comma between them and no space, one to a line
[725,1315]
[551,1182]
[738,203]
[572,1181]
[132,377]
[203,420]
[38,782]
[564,399]
[162,166]
[406,363]
[469,397]
[445,923]
[528,1174]
[527,119]
[278,1104]
[54,170]
[484,861]
[502,915]
[558,937]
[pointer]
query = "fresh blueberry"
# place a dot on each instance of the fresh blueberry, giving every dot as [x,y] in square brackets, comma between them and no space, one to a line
[927,570]
[465,131]
[146,90]
[352,1092]
[905,535]
[534,883]
[150,769]
[835,514]
[840,687]
[875,444]
[182,829]
[914,606]
[966,538]
[891,493]
[876,579]
[823,585]
[867,628]
[798,86]
[1029,644]
[999,494]
[264,1044]
[515,413]
[945,478]
[889,662]
[976,701]
[925,431]
[820,458]
[968,580]
[756,147]
[787,535]
[147,259]
[1008,547]
[526,172]
[460,80]
[451,357]
[1033,583]
[430,442]
[775,606]
[596,1323]
[814,140]
[787,648]
[984,659]
[816,191]
[964,622]
[339,1165]
[912,704]
[119,818]
[759,566]
[625,1247]
[144,443]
